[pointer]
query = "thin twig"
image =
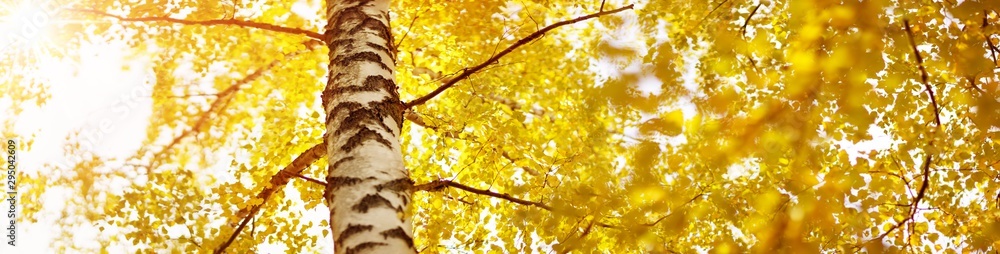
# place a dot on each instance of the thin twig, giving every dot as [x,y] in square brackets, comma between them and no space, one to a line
[913,204]
[672,213]
[410,27]
[442,183]
[923,73]
[710,12]
[194,95]
[537,34]
[743,30]
[310,179]
[414,118]
[232,22]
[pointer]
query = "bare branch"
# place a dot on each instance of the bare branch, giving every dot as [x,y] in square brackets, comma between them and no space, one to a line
[232,22]
[277,181]
[533,36]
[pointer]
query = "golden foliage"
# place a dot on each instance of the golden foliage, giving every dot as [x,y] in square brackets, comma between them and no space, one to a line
[680,126]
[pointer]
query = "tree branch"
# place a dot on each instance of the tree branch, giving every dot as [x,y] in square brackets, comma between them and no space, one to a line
[443,183]
[232,22]
[537,34]
[743,30]
[710,12]
[440,184]
[913,204]
[277,181]
[923,73]
[671,213]
[416,119]
[993,48]
[410,27]
[972,83]
[194,95]
[310,179]
[221,100]
[925,172]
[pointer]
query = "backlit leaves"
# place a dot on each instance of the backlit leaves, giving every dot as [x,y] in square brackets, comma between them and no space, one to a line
[729,126]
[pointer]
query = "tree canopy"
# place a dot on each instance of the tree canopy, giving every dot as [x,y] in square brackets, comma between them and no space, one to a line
[649,126]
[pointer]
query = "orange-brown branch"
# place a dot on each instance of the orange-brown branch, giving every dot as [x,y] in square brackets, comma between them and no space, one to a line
[277,181]
[923,73]
[231,22]
[533,36]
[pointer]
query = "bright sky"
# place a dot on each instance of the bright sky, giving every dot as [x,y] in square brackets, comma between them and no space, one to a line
[100,100]
[106,96]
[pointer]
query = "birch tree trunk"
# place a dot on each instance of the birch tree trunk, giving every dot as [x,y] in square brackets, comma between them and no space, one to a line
[368,188]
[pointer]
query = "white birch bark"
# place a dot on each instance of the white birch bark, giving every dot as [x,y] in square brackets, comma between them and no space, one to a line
[368,187]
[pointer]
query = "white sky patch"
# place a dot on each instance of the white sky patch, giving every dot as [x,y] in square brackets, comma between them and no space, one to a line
[649,85]
[749,167]
[662,32]
[626,35]
[603,69]
[307,10]
[253,9]
[880,141]
[102,101]
[738,234]
[178,231]
[96,97]
[631,135]
[30,25]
